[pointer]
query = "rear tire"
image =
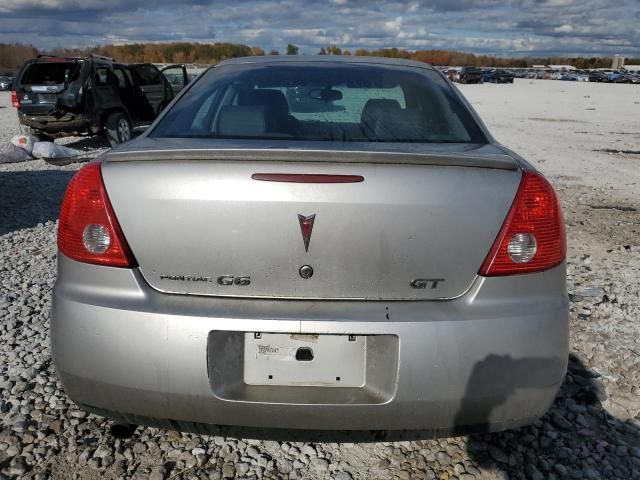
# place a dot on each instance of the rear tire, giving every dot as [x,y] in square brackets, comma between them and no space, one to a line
[118,129]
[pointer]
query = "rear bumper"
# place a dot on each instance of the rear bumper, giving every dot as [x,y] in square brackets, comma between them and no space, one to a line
[490,360]
[68,122]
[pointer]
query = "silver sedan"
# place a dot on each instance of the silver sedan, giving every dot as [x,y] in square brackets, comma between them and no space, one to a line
[313,243]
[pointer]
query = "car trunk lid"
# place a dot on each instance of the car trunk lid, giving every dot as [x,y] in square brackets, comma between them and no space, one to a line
[417,227]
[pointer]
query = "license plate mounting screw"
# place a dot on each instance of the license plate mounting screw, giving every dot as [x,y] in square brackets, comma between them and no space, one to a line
[257,335]
[352,338]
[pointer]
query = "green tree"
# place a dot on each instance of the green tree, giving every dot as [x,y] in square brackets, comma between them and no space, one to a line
[292,49]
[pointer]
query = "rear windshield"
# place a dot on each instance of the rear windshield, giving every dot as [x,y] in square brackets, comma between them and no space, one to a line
[313,102]
[51,73]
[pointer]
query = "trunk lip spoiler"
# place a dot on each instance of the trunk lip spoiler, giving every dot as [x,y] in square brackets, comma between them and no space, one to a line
[287,155]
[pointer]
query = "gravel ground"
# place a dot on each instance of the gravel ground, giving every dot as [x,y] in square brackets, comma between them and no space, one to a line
[591,432]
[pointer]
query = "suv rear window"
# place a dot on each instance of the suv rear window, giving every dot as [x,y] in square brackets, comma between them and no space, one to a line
[321,102]
[50,73]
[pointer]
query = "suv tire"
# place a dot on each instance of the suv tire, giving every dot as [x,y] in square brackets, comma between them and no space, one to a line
[118,129]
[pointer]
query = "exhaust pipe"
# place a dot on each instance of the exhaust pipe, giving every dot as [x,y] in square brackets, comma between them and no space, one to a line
[122,430]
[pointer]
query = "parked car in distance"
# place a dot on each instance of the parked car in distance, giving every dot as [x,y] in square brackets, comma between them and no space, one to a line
[570,77]
[61,96]
[486,75]
[452,74]
[625,78]
[616,76]
[598,77]
[258,277]
[497,76]
[6,83]
[469,75]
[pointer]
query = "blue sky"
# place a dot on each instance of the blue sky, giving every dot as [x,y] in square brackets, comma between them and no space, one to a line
[502,27]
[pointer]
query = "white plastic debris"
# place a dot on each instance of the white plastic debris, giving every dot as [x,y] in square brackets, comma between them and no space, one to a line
[24,141]
[51,150]
[9,153]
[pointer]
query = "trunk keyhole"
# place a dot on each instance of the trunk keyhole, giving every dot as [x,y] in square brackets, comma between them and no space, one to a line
[304,354]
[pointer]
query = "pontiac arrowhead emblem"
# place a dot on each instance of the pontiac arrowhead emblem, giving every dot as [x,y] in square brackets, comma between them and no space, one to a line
[306,227]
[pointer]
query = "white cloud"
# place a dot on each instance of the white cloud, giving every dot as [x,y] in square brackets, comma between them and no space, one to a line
[508,27]
[565,28]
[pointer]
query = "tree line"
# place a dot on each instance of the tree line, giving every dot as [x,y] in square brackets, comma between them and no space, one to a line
[459,59]
[13,55]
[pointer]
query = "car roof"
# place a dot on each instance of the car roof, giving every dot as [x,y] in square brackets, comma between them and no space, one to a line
[342,59]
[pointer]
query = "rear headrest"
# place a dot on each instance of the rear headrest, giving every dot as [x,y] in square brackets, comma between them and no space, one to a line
[389,124]
[377,108]
[274,100]
[242,121]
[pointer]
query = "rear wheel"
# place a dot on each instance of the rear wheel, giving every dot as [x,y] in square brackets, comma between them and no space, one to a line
[118,129]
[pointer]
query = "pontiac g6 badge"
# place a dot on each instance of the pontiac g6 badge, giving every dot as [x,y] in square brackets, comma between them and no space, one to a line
[306,227]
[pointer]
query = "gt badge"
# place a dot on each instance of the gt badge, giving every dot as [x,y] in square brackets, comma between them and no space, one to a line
[423,283]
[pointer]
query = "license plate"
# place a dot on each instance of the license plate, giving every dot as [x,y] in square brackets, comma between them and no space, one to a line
[47,98]
[304,360]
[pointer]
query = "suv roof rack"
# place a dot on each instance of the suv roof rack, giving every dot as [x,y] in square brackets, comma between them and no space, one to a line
[45,55]
[101,57]
[91,55]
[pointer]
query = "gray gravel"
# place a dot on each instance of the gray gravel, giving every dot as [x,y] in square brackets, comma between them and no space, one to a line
[591,432]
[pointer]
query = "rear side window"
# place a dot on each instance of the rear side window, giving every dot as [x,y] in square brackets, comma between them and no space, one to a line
[146,75]
[322,102]
[123,76]
[51,73]
[102,76]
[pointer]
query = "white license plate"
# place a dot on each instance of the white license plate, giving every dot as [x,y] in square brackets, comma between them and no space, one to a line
[304,360]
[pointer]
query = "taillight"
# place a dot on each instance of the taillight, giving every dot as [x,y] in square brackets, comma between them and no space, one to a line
[532,237]
[88,230]
[15,102]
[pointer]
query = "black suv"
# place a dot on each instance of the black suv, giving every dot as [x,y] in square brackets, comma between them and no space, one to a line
[470,75]
[61,96]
